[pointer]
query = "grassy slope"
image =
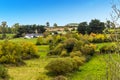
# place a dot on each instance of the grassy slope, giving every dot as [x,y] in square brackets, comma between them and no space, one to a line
[94,68]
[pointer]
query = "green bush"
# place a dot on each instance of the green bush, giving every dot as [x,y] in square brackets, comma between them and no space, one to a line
[60,78]
[79,60]
[41,41]
[13,53]
[29,50]
[61,66]
[88,49]
[69,44]
[10,53]
[57,50]
[108,48]
[43,77]
[63,53]
[3,73]
[75,53]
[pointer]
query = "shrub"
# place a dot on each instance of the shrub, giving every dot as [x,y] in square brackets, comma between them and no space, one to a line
[75,53]
[10,53]
[61,66]
[69,44]
[99,38]
[43,77]
[79,60]
[3,73]
[29,50]
[88,49]
[57,50]
[108,48]
[78,45]
[41,41]
[63,53]
[60,78]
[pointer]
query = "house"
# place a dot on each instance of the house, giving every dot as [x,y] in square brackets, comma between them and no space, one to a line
[32,35]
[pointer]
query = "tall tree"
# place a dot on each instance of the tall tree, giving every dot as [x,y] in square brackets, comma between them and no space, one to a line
[96,26]
[55,25]
[15,27]
[108,24]
[83,28]
[4,25]
[47,24]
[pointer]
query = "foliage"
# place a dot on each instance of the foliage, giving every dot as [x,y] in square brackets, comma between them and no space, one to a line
[63,53]
[13,53]
[82,28]
[29,50]
[96,26]
[10,52]
[75,53]
[88,49]
[41,41]
[69,44]
[24,29]
[99,38]
[60,78]
[3,73]
[61,66]
[108,48]
[79,60]
[43,77]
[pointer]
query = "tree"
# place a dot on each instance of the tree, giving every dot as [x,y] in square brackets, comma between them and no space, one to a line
[83,28]
[108,24]
[55,25]
[4,25]
[26,29]
[47,24]
[96,26]
[15,27]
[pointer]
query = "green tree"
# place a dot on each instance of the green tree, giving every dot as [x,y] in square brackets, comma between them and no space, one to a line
[55,25]
[83,28]
[47,24]
[15,27]
[108,24]
[96,26]
[4,25]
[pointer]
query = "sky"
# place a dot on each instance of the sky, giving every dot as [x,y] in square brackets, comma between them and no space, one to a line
[61,12]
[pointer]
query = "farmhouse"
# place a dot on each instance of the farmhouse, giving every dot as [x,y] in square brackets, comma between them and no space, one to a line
[33,35]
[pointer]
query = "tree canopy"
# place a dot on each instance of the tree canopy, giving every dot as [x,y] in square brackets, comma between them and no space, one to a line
[95,26]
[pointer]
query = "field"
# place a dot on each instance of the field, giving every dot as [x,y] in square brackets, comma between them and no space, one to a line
[34,68]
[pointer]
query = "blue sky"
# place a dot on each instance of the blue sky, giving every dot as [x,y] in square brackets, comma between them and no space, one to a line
[53,11]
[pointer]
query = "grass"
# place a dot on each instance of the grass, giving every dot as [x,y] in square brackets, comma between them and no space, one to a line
[33,40]
[99,45]
[31,71]
[8,35]
[43,50]
[94,68]
[33,68]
